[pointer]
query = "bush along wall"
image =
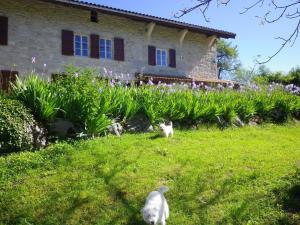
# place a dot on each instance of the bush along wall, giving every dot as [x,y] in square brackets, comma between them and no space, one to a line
[92,103]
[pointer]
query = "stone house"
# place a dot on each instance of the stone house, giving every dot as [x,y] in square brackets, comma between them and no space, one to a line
[47,35]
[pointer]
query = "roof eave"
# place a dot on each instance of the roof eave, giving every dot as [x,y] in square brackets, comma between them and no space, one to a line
[144,18]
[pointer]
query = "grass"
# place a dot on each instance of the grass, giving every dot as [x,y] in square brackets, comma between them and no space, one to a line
[238,176]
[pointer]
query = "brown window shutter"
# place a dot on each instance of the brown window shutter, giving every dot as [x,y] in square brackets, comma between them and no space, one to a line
[94,46]
[67,41]
[172,58]
[3,30]
[119,49]
[7,76]
[151,55]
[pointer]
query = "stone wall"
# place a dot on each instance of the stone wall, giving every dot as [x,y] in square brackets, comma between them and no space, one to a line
[35,31]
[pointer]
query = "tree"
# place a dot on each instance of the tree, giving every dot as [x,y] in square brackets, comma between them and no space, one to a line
[294,75]
[275,10]
[243,75]
[227,57]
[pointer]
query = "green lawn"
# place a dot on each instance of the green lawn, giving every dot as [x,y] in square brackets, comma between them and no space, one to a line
[246,175]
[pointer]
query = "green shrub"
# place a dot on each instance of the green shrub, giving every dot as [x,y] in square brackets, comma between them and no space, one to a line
[78,96]
[16,125]
[36,95]
[265,76]
[91,103]
[84,99]
[82,102]
[97,124]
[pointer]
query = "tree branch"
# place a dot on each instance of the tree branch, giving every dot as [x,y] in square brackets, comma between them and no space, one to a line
[294,36]
[289,11]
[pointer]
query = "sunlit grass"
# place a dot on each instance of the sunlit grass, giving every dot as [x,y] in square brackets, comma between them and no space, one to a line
[236,176]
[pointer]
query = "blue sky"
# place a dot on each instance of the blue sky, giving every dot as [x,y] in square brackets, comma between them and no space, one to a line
[252,38]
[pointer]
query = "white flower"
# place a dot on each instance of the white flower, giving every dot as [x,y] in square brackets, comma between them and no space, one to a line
[105,70]
[32,60]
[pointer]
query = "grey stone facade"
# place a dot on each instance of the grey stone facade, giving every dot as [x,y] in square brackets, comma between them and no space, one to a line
[34,30]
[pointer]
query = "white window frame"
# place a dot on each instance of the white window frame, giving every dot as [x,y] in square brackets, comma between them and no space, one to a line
[161,57]
[105,48]
[81,45]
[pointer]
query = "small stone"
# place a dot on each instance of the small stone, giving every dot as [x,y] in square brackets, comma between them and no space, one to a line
[238,122]
[116,129]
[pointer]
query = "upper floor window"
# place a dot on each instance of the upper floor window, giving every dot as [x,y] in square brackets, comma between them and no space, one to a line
[81,45]
[161,57]
[105,49]
[94,16]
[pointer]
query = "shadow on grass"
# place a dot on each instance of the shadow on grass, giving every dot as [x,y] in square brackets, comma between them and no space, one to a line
[199,206]
[289,199]
[292,201]
[66,205]
[118,195]
[156,136]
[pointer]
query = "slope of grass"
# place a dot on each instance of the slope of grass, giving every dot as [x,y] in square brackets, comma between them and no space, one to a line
[237,176]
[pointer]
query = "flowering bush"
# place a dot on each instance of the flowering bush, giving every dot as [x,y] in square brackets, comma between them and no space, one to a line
[92,102]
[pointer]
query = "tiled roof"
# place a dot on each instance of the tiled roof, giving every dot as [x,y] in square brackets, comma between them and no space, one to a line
[145,17]
[163,78]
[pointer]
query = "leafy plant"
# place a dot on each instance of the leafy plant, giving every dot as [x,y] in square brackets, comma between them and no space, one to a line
[97,125]
[92,103]
[36,94]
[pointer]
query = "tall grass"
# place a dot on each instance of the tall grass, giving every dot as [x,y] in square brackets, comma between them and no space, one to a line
[92,103]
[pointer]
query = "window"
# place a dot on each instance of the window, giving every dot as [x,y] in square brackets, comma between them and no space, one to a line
[94,16]
[105,49]
[161,57]
[81,45]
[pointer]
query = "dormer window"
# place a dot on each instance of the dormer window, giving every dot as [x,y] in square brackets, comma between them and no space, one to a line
[94,16]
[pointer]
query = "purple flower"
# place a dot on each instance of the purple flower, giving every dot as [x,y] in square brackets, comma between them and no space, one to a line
[112,82]
[194,85]
[150,82]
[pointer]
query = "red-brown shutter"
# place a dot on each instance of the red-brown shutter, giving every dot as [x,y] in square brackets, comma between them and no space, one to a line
[151,55]
[119,49]
[172,58]
[7,76]
[3,30]
[67,41]
[94,46]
